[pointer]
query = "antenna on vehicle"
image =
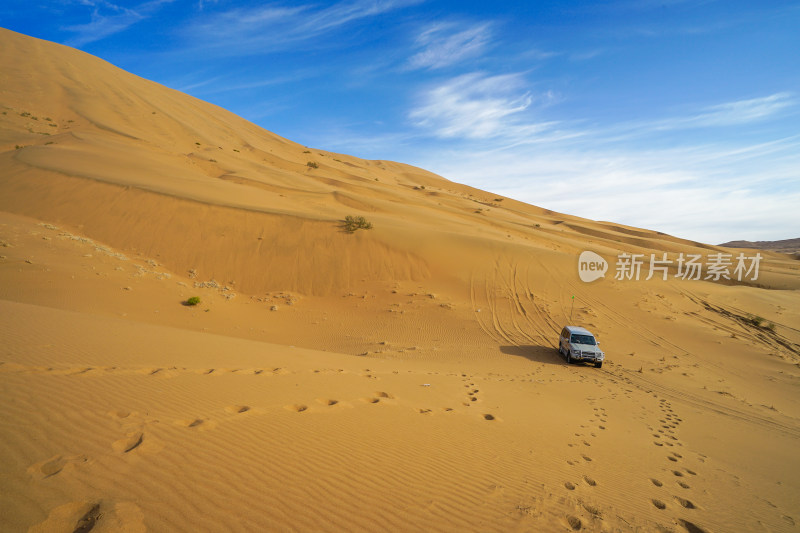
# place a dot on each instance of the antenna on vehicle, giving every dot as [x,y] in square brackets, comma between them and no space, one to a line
[571,309]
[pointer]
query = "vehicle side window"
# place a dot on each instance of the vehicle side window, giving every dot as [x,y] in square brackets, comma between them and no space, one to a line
[564,333]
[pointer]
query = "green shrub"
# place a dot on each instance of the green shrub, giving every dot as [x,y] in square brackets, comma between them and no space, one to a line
[194,300]
[352,223]
[312,164]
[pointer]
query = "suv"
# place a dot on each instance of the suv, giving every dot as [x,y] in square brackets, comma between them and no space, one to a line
[578,344]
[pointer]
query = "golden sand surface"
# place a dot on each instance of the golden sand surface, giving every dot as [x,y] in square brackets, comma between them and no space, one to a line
[398,378]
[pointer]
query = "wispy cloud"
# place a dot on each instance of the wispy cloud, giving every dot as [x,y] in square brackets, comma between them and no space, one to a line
[712,193]
[267,28]
[726,115]
[709,191]
[202,3]
[740,111]
[218,85]
[479,106]
[108,19]
[586,54]
[445,44]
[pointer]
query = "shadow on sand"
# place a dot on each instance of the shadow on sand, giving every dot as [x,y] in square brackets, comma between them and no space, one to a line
[540,354]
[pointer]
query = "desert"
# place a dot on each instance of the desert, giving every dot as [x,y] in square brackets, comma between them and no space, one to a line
[401,377]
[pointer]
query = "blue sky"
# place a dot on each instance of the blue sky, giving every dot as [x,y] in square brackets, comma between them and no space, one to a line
[674,115]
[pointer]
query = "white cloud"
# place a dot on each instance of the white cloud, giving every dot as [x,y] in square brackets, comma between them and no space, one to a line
[477,106]
[743,111]
[728,115]
[267,28]
[446,44]
[733,113]
[108,19]
[710,193]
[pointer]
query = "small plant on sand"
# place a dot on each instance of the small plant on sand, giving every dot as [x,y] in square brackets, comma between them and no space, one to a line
[755,320]
[194,300]
[312,164]
[352,223]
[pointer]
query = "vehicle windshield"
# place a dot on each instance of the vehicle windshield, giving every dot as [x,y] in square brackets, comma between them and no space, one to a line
[583,339]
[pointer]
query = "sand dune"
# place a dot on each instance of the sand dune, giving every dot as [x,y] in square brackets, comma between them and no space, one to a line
[399,378]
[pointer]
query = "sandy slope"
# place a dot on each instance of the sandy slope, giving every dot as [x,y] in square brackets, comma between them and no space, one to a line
[406,378]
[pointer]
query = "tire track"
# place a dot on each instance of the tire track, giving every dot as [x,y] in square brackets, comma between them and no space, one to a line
[648,386]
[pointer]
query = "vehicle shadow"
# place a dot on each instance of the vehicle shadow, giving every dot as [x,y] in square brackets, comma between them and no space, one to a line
[540,354]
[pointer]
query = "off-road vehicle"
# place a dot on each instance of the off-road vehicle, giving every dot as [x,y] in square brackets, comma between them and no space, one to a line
[578,344]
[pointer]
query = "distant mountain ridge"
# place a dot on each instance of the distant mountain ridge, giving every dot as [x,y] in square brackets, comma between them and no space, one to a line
[787,246]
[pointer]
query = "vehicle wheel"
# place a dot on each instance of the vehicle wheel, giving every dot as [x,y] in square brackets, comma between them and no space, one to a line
[569,357]
[598,365]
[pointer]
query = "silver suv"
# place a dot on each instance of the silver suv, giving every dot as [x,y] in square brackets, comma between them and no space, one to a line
[578,344]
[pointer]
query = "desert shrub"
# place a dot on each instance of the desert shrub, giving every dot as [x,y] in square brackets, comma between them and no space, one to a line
[352,223]
[194,300]
[312,164]
[755,320]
